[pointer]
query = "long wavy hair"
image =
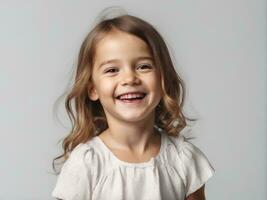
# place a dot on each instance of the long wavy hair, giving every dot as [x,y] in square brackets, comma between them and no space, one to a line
[88,118]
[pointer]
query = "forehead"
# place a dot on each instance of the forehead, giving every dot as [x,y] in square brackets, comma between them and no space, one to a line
[120,46]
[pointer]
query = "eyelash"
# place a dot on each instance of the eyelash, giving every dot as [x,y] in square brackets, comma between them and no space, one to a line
[147,65]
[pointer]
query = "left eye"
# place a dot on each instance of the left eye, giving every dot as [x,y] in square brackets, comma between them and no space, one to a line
[144,66]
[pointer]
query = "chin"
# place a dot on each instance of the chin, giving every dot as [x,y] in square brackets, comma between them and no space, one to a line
[134,118]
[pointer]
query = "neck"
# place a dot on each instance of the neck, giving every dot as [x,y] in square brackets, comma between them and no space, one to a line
[134,137]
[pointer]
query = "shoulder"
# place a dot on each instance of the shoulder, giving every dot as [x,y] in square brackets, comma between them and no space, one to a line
[189,161]
[176,141]
[180,145]
[184,147]
[83,155]
[79,174]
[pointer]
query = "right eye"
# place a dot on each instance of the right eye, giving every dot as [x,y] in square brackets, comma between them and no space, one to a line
[111,70]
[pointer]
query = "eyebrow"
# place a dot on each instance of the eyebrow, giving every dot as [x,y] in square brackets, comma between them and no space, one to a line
[117,60]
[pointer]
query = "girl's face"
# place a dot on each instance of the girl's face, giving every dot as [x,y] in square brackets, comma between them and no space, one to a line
[123,64]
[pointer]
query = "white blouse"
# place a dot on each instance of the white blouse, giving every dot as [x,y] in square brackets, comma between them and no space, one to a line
[93,172]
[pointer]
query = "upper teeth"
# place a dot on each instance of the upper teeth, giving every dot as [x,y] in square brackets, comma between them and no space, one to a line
[130,96]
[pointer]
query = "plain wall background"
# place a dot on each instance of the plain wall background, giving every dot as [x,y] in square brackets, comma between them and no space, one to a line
[219,48]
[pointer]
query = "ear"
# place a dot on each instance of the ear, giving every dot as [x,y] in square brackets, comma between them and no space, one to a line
[93,95]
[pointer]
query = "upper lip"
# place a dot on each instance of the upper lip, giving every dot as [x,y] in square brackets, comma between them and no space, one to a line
[132,92]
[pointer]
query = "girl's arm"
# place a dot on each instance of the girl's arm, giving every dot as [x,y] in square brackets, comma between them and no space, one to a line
[197,195]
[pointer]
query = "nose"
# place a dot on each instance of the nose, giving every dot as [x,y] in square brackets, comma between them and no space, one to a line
[129,77]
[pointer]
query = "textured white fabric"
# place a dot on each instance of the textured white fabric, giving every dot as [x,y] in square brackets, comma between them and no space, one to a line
[93,172]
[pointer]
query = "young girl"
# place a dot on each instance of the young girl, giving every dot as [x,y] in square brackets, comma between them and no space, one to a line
[126,142]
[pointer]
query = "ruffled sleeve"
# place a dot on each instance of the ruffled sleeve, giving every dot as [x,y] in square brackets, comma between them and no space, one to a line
[196,166]
[76,179]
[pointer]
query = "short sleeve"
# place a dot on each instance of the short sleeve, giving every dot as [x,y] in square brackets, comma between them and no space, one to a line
[196,166]
[75,179]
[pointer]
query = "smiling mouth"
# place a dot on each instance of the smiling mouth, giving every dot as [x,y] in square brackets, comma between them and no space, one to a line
[135,99]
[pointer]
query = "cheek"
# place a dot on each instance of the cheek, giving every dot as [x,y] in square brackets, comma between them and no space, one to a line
[155,85]
[154,82]
[105,87]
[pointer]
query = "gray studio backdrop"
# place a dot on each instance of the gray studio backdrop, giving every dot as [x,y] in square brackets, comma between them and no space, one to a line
[219,47]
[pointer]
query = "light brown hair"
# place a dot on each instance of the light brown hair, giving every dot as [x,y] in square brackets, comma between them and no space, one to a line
[88,118]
